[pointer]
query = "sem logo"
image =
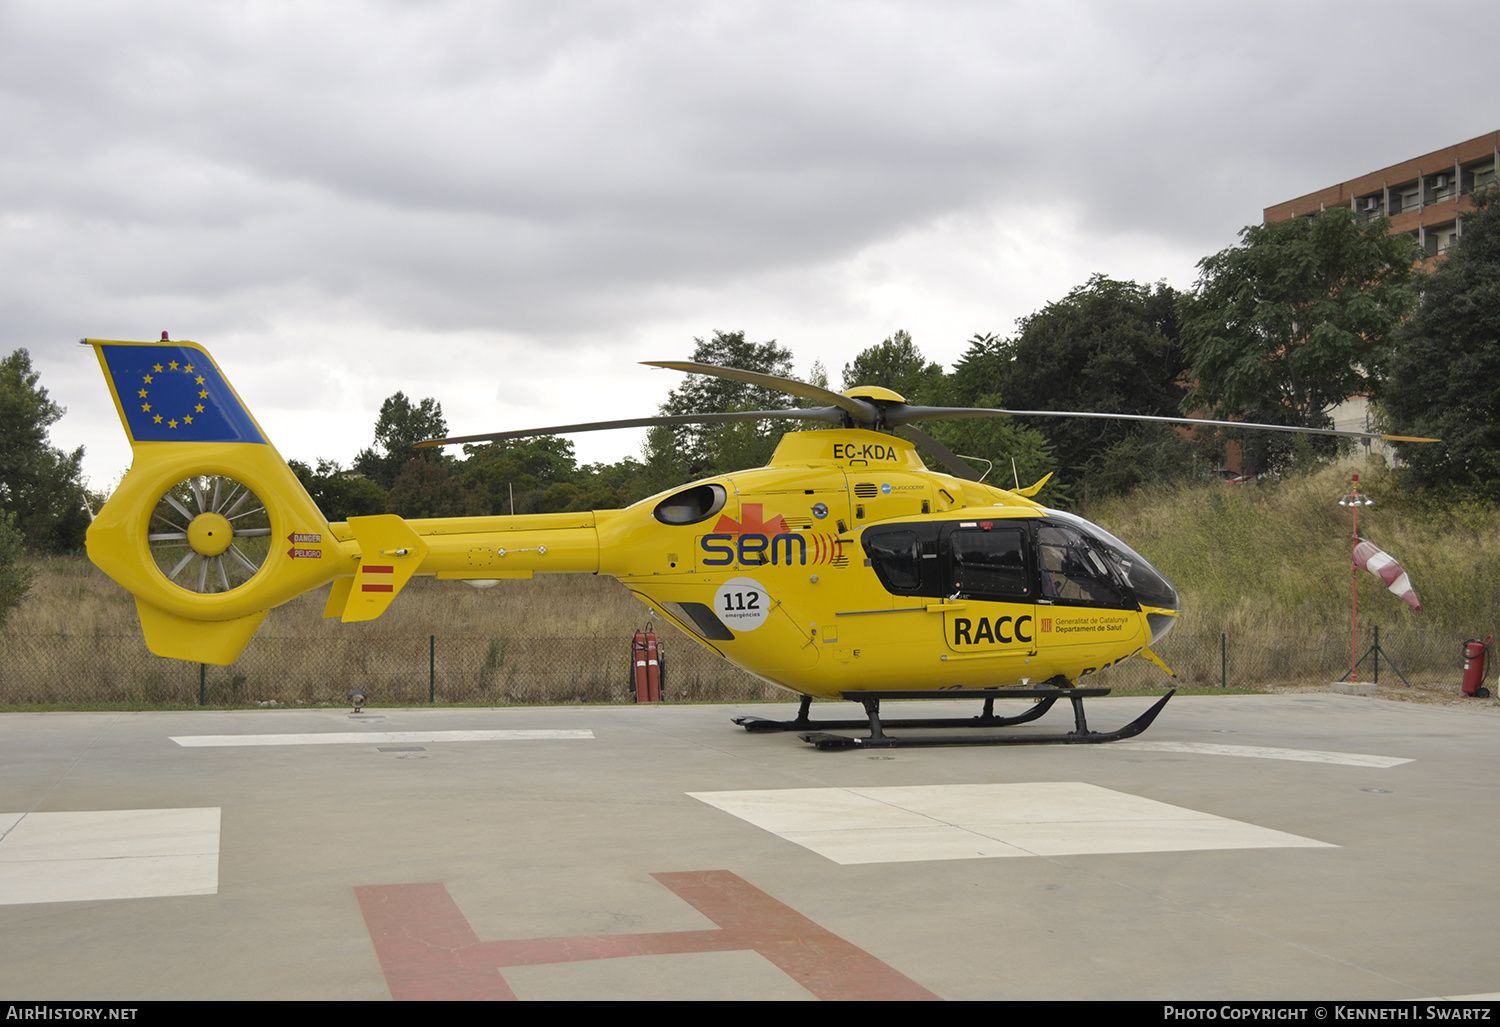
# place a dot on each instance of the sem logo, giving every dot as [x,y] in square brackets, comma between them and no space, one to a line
[754,541]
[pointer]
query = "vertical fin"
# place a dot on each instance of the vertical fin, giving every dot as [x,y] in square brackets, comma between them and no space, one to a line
[213,641]
[338,596]
[389,554]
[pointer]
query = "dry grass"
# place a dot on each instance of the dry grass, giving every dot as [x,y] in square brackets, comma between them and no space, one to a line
[1268,566]
[562,638]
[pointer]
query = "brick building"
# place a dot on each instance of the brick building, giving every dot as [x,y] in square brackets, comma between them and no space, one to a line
[1426,196]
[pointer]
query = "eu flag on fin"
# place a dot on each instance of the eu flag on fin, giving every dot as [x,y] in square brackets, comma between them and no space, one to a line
[170,392]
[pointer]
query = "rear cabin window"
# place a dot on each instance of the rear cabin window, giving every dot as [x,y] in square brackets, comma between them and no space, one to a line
[989,564]
[896,556]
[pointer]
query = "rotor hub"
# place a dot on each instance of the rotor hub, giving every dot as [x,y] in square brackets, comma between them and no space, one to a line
[210,534]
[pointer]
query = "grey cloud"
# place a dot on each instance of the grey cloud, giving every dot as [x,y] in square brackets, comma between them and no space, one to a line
[561,173]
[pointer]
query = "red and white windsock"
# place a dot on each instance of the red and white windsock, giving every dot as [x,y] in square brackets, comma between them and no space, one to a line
[1370,557]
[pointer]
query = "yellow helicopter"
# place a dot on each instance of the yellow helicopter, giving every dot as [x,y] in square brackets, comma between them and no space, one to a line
[844,567]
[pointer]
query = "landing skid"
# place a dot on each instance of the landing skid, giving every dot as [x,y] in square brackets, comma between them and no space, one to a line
[1046,696]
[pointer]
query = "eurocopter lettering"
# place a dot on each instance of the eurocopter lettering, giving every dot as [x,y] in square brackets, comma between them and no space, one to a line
[843,567]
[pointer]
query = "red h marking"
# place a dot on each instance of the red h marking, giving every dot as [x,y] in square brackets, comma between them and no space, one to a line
[428,951]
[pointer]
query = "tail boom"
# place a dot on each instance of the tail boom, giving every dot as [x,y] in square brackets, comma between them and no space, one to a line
[187,426]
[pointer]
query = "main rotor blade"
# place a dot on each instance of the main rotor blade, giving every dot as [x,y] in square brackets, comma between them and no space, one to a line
[830,414]
[949,459]
[903,415]
[864,413]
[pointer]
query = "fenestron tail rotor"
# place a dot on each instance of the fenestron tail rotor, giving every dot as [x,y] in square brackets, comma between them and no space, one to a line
[209,534]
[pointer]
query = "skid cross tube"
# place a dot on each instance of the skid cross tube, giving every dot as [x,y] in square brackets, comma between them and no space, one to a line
[1045,696]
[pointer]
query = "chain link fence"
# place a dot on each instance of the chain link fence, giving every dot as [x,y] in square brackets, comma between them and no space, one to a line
[118,670]
[1226,660]
[99,670]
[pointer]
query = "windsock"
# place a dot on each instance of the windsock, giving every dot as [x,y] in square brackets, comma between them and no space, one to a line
[1370,557]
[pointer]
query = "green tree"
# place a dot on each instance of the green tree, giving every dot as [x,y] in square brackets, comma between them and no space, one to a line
[713,449]
[15,576]
[340,494]
[1108,346]
[521,468]
[1016,452]
[612,486]
[1295,321]
[1443,377]
[981,371]
[40,485]
[897,364]
[400,426]
[424,488]
[818,375]
[663,463]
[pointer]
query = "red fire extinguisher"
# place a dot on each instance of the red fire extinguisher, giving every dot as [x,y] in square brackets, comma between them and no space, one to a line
[646,666]
[1476,656]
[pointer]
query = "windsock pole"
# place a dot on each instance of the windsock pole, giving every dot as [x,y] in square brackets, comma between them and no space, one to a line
[1354,500]
[1354,592]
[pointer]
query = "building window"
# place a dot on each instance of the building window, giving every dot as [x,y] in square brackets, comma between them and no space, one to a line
[1439,239]
[1479,176]
[1405,197]
[1440,187]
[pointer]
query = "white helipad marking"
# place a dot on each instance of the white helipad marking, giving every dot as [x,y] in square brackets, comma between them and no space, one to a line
[1348,759]
[371,737]
[108,854]
[932,822]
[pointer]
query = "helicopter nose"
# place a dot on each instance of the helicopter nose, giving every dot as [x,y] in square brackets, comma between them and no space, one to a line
[1155,591]
[1160,624]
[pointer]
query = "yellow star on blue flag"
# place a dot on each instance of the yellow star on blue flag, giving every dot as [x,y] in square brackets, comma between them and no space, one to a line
[174,393]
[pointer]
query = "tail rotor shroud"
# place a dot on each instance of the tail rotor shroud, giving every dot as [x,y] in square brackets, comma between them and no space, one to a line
[209,534]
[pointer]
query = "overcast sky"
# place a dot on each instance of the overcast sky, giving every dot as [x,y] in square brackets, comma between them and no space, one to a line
[507,205]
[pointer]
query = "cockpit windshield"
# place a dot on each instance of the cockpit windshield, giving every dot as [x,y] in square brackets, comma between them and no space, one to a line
[1150,586]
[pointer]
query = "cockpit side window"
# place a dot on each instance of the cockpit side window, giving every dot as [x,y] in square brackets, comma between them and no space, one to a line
[1073,571]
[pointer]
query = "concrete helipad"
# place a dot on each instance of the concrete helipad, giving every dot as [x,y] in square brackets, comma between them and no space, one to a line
[1264,847]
